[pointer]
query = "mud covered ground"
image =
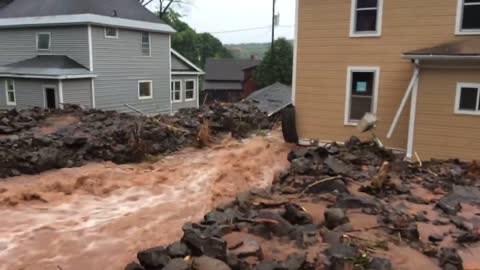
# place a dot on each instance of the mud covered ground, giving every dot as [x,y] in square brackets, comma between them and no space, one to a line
[347,207]
[99,215]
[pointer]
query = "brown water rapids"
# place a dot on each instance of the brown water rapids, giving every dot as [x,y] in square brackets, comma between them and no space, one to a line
[98,216]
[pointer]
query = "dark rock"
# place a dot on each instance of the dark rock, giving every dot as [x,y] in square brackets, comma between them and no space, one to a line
[153,258]
[216,217]
[249,248]
[328,187]
[421,217]
[177,264]
[307,236]
[295,261]
[347,201]
[269,265]
[468,237]
[178,250]
[436,237]
[302,165]
[378,263]
[261,230]
[296,216]
[207,263]
[280,227]
[134,266]
[338,167]
[341,256]
[202,244]
[335,217]
[449,259]
[450,203]
[410,232]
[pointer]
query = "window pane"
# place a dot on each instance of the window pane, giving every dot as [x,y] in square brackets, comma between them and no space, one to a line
[189,85]
[145,38]
[362,83]
[366,20]
[359,107]
[177,86]
[468,99]
[43,42]
[366,3]
[472,1]
[145,89]
[111,32]
[10,85]
[11,96]
[177,95]
[471,17]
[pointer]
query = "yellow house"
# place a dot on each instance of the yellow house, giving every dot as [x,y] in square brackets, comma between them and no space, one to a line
[413,63]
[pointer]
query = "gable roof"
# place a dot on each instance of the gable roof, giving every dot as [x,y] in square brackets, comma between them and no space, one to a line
[469,48]
[44,12]
[227,69]
[46,66]
[189,67]
[272,98]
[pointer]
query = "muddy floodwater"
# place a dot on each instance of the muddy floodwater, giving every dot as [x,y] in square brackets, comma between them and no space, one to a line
[98,216]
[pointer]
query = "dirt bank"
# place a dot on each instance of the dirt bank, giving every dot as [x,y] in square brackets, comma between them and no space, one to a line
[98,216]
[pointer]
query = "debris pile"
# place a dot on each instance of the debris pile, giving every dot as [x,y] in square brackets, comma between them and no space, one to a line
[32,141]
[351,206]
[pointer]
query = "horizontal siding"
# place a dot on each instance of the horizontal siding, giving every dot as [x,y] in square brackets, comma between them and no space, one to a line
[325,51]
[179,65]
[120,65]
[29,93]
[20,44]
[77,92]
[439,132]
[185,104]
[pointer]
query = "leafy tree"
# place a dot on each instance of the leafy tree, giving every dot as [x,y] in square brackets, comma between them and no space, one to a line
[196,47]
[276,66]
[164,5]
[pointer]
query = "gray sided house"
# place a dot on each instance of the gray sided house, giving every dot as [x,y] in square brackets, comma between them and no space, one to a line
[99,54]
[185,82]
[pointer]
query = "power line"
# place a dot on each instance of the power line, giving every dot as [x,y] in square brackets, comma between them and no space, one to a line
[249,29]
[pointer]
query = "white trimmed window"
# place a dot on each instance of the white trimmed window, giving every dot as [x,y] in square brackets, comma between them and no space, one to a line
[10,92]
[362,92]
[176,91]
[43,41]
[366,18]
[111,32]
[468,17]
[467,100]
[190,90]
[146,48]
[145,90]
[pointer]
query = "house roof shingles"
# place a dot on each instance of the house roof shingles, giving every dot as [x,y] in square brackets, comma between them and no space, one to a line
[125,9]
[469,47]
[273,98]
[227,69]
[46,65]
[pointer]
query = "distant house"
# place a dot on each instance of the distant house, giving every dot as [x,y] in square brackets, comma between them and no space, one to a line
[99,54]
[415,65]
[229,80]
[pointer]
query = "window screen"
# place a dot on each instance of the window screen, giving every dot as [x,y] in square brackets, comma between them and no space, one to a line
[176,91]
[366,15]
[43,41]
[145,44]
[145,89]
[471,15]
[469,99]
[189,89]
[361,94]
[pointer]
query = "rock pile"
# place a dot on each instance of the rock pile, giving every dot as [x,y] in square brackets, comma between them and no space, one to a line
[26,148]
[349,206]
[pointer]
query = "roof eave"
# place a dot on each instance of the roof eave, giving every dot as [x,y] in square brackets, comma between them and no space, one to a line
[440,57]
[45,76]
[80,19]
[192,65]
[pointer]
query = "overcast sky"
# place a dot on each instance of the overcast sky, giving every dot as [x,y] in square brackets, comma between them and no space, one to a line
[228,15]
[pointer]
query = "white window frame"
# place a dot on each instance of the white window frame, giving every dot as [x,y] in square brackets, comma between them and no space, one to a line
[172,91]
[348,96]
[353,21]
[151,89]
[459,20]
[461,85]
[194,89]
[49,41]
[9,103]
[149,44]
[116,32]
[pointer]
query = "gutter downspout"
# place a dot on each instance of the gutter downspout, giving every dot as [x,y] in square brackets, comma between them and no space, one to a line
[413,91]
[170,70]
[60,94]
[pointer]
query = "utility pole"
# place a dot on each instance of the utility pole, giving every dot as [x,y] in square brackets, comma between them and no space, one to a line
[273,23]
